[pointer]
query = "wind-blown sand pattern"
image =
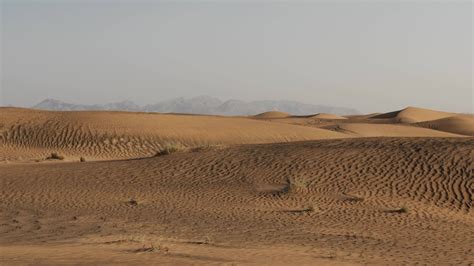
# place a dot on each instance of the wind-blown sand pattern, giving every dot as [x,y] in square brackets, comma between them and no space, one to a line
[112,135]
[320,192]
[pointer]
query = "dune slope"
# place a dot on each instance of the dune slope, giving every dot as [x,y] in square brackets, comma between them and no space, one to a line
[463,125]
[386,130]
[413,115]
[272,115]
[106,135]
[327,116]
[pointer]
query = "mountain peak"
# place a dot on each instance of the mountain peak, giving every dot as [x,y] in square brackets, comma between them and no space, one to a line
[202,104]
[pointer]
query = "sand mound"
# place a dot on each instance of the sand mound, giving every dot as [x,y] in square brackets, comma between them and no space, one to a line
[413,115]
[105,135]
[327,116]
[385,130]
[312,202]
[272,114]
[461,124]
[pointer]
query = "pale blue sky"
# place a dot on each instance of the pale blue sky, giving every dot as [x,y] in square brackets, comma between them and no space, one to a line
[368,55]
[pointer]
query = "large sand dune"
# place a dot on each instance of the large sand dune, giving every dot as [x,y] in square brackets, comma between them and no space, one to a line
[327,116]
[413,115]
[403,123]
[272,115]
[35,134]
[384,130]
[277,190]
[460,124]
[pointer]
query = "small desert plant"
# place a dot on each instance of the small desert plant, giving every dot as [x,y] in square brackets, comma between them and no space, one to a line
[399,210]
[305,209]
[55,156]
[170,148]
[132,202]
[351,198]
[309,208]
[297,183]
[151,248]
[82,159]
[403,210]
[206,241]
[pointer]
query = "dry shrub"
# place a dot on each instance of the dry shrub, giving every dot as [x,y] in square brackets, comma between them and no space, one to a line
[55,156]
[170,148]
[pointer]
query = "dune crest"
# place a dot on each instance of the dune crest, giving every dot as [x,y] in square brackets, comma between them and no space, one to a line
[414,115]
[327,116]
[272,115]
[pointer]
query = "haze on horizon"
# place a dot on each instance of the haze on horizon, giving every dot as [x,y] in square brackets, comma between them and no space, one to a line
[371,56]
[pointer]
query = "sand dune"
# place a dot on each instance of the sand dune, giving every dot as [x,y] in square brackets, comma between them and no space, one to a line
[35,134]
[385,130]
[413,115]
[351,201]
[461,124]
[327,116]
[272,115]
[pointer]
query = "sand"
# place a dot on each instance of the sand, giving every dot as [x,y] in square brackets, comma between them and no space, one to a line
[386,130]
[460,124]
[33,135]
[241,190]
[272,114]
[327,116]
[413,115]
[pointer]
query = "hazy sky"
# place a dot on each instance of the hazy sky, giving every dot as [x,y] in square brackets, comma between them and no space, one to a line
[368,55]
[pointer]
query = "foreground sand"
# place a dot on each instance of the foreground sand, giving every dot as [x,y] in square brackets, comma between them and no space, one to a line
[328,201]
[237,205]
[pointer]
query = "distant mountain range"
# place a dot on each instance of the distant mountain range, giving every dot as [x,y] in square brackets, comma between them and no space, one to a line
[201,105]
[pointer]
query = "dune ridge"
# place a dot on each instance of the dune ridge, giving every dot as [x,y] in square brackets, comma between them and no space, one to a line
[413,115]
[327,116]
[272,115]
[129,135]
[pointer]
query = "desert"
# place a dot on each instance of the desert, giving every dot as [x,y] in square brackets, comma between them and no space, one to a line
[99,187]
[237,132]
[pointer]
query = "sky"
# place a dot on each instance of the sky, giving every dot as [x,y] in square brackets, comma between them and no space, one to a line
[374,56]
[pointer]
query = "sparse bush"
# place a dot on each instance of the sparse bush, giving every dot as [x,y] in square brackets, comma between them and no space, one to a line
[151,248]
[82,159]
[403,210]
[207,241]
[132,202]
[399,210]
[170,148]
[351,198]
[309,208]
[298,183]
[55,156]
